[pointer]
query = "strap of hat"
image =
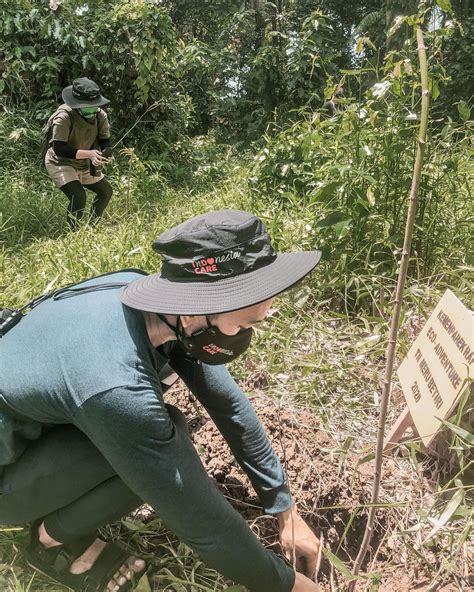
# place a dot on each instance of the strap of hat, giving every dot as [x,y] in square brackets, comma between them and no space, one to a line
[176,329]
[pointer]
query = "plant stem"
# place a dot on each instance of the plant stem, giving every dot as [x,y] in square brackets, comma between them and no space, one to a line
[392,341]
[128,183]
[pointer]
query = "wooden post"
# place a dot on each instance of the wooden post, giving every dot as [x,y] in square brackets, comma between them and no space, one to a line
[403,422]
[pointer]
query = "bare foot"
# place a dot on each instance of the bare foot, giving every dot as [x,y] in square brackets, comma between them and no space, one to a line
[132,567]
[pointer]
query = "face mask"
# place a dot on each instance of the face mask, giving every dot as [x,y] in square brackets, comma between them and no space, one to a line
[88,112]
[210,345]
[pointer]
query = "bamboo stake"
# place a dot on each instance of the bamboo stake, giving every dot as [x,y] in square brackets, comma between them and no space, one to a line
[392,341]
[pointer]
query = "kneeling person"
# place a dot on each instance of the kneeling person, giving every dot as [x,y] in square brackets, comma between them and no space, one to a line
[86,434]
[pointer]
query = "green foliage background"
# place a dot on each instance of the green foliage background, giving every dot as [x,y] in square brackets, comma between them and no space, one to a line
[324,97]
[304,112]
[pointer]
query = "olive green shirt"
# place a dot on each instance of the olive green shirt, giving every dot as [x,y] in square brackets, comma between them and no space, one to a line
[69,126]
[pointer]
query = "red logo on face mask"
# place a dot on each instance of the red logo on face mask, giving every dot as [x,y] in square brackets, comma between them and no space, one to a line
[215,349]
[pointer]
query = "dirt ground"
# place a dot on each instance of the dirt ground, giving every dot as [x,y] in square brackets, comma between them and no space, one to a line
[326,483]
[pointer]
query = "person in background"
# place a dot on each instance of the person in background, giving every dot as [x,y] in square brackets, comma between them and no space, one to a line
[78,137]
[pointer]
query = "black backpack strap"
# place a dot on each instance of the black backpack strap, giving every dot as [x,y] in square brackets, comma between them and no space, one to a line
[10,317]
[67,292]
[71,121]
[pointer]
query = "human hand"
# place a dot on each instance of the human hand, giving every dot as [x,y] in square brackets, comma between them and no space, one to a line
[95,156]
[295,535]
[108,155]
[304,584]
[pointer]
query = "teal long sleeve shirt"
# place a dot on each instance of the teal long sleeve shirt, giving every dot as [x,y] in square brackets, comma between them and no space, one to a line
[87,360]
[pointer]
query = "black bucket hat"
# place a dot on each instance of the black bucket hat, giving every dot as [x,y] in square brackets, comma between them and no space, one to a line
[83,93]
[217,262]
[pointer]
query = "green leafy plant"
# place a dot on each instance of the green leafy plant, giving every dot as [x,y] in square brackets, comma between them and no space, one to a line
[346,176]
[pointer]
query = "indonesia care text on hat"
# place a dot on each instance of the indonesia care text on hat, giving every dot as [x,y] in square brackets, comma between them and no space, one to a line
[214,246]
[217,262]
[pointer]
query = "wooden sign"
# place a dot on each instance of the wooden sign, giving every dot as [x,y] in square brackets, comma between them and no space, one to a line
[438,366]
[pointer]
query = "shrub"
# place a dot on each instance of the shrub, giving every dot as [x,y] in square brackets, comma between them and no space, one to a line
[350,174]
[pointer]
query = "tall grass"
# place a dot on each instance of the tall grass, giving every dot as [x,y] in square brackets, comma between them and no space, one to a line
[315,353]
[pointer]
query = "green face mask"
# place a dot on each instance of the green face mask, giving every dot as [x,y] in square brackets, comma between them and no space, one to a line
[88,112]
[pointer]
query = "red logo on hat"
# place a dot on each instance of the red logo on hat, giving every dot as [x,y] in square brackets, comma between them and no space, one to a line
[205,265]
[209,264]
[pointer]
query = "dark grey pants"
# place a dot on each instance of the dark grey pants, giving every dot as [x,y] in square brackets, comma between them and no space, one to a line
[65,480]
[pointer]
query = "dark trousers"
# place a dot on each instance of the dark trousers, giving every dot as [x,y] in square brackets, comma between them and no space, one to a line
[77,199]
[64,479]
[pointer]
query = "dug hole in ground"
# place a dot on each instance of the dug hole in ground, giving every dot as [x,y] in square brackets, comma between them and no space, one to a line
[330,486]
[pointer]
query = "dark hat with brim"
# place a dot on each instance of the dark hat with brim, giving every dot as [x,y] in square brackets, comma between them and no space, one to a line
[214,263]
[83,93]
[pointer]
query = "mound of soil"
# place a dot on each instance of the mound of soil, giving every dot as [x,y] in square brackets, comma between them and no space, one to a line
[328,486]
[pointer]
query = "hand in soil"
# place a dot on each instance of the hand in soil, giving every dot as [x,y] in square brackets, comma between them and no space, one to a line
[304,584]
[296,538]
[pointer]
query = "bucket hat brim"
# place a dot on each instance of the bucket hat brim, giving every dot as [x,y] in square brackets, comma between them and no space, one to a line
[153,293]
[76,103]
